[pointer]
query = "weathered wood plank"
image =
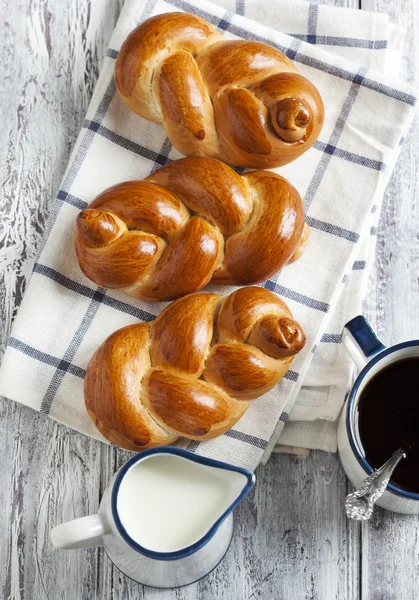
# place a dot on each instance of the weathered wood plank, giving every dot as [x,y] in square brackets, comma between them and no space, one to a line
[389,544]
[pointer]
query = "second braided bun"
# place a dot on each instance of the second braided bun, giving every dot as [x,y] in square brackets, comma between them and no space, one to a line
[193,221]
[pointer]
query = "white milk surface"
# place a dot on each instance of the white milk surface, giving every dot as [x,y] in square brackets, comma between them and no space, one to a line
[166,502]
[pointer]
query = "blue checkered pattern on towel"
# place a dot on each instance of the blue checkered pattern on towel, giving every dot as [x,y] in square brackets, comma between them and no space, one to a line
[64,317]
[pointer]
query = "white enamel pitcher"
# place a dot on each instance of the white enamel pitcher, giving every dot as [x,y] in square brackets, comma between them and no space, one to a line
[165,519]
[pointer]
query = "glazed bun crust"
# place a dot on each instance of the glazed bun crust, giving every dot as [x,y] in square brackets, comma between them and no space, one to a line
[192,372]
[242,102]
[191,222]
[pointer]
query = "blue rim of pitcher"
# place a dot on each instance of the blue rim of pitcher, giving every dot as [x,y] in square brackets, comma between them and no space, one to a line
[350,425]
[203,460]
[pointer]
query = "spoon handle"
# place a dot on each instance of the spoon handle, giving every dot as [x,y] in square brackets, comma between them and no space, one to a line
[360,504]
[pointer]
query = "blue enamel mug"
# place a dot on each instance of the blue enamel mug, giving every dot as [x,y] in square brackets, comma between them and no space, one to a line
[165,519]
[370,356]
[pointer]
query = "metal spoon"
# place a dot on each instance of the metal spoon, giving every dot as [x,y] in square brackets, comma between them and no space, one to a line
[360,504]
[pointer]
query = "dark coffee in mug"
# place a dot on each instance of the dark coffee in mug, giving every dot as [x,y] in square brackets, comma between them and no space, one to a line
[388,419]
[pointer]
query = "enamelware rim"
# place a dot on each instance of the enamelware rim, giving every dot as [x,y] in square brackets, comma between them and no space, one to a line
[203,460]
[350,425]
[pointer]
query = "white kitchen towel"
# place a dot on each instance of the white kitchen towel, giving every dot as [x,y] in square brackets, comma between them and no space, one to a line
[64,317]
[370,39]
[313,420]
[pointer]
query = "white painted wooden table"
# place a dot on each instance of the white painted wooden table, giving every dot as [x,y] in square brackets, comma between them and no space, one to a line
[292,540]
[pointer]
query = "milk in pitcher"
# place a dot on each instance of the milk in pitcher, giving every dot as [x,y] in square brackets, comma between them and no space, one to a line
[166,503]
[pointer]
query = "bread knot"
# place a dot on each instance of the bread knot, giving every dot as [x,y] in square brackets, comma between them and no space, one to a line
[193,371]
[242,102]
[191,222]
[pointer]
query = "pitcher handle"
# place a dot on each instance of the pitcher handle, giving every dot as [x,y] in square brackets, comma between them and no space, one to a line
[86,532]
[360,341]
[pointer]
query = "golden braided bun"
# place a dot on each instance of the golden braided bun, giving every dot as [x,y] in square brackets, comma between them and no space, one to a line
[194,371]
[193,221]
[242,102]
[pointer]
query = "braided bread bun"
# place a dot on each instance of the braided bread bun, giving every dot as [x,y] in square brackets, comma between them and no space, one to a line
[192,372]
[242,102]
[191,221]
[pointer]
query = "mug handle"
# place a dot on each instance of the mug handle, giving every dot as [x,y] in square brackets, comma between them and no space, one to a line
[86,532]
[360,341]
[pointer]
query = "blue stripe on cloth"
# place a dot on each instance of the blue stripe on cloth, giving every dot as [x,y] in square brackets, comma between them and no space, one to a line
[193,446]
[77,162]
[240,7]
[249,439]
[330,40]
[69,354]
[386,90]
[77,202]
[257,442]
[284,416]
[45,358]
[313,11]
[88,138]
[293,48]
[331,338]
[359,265]
[223,24]
[291,375]
[374,231]
[232,28]
[165,150]
[123,142]
[300,298]
[349,76]
[298,57]
[349,156]
[346,234]
[334,138]
[111,53]
[83,290]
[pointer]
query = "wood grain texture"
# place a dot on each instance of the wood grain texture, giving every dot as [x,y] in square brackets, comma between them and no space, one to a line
[390,542]
[291,540]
